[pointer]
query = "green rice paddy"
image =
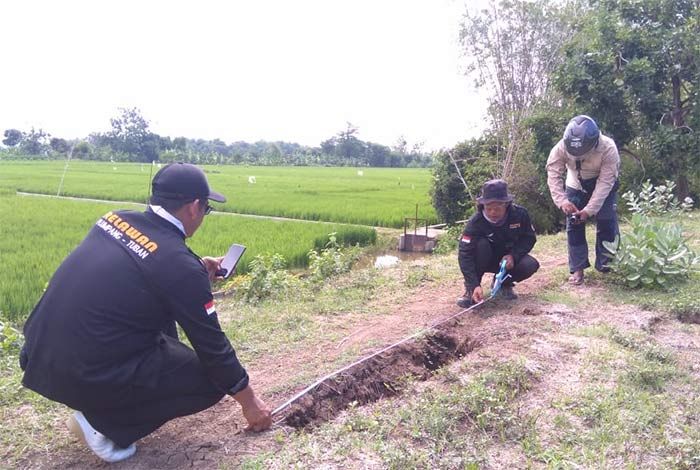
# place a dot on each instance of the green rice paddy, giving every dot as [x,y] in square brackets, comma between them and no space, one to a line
[37,233]
[364,196]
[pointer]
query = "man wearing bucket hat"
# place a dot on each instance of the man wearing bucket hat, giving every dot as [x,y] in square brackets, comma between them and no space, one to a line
[103,337]
[500,230]
[582,175]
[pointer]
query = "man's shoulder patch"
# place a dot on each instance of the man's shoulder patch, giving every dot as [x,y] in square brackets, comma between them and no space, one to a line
[466,238]
[209,307]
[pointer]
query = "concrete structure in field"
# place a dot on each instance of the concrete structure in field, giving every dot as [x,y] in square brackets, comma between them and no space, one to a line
[424,238]
[417,241]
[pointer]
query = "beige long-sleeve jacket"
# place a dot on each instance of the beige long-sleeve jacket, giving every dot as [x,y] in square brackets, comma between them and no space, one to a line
[602,162]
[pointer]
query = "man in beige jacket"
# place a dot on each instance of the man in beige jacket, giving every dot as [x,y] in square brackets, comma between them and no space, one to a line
[582,175]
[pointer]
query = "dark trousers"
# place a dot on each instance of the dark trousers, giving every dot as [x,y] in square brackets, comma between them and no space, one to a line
[606,228]
[183,388]
[489,257]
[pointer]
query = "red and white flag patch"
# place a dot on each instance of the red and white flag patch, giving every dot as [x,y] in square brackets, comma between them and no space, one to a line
[466,239]
[209,307]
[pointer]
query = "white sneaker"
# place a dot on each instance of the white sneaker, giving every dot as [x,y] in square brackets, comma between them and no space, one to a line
[100,444]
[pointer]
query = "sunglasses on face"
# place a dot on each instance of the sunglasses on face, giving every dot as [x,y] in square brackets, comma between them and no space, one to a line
[207,208]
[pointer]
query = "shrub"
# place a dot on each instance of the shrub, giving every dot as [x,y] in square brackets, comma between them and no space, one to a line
[331,260]
[652,253]
[448,242]
[528,184]
[349,236]
[267,276]
[476,161]
[657,200]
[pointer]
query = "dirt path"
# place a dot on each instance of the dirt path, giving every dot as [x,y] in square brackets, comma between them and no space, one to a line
[215,438]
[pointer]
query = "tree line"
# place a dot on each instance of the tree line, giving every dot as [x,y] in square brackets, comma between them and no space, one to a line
[130,139]
[632,65]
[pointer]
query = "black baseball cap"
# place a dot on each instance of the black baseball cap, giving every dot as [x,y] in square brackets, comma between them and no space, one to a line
[183,181]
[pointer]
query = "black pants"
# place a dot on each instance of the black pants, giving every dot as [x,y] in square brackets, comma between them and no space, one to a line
[183,388]
[489,257]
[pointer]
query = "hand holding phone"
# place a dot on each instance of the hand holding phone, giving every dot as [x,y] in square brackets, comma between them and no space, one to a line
[228,264]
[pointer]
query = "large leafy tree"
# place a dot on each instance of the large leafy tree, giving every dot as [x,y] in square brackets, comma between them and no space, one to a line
[633,65]
[130,136]
[12,137]
[35,142]
[59,145]
[348,146]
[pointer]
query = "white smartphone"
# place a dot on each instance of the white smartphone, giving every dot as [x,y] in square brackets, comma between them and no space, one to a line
[228,265]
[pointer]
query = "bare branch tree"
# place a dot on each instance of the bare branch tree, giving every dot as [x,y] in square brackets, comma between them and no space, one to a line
[511,48]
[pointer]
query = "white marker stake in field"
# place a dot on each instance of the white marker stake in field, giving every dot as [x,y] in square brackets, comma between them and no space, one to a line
[251,179]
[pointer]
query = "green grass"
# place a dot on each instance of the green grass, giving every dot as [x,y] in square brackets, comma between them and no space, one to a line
[426,429]
[37,233]
[609,395]
[622,414]
[380,197]
[24,414]
[279,327]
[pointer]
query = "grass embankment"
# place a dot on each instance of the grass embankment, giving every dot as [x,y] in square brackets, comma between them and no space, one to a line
[591,377]
[364,196]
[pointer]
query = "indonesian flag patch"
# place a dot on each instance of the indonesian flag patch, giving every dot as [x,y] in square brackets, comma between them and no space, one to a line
[209,307]
[466,238]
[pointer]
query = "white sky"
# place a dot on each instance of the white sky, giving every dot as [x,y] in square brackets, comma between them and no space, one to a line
[294,70]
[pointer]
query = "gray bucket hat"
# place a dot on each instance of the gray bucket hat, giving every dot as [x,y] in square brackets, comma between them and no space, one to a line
[494,191]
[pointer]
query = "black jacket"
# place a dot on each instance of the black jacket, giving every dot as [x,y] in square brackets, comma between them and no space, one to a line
[99,328]
[515,237]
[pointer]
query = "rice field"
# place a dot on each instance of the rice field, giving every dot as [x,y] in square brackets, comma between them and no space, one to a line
[365,196]
[37,233]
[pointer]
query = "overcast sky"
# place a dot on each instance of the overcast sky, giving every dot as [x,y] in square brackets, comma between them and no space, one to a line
[240,70]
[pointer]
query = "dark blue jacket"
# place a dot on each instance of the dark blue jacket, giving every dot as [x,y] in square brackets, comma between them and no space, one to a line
[100,327]
[514,237]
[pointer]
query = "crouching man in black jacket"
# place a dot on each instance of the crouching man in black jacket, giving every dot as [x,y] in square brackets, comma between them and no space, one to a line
[500,230]
[103,341]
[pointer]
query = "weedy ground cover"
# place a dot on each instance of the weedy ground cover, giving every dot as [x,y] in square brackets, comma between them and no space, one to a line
[566,377]
[37,233]
[587,389]
[366,196]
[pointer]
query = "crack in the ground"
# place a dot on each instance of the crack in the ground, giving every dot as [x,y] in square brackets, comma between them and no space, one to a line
[379,377]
